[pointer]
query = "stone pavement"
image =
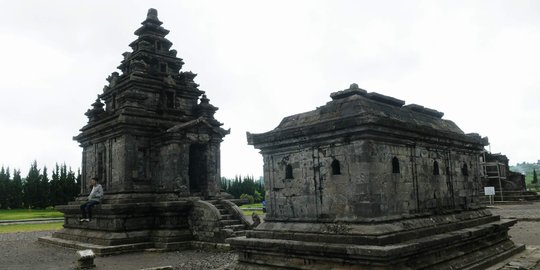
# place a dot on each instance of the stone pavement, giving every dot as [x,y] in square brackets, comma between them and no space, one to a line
[526,231]
[522,212]
[526,260]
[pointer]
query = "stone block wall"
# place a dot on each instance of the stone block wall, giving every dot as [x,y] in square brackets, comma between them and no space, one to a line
[104,160]
[357,180]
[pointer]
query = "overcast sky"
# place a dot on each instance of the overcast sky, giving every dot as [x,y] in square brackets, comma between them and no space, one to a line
[259,61]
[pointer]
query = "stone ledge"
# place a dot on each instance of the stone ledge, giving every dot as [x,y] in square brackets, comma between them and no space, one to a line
[101,250]
[362,251]
[468,248]
[98,249]
[377,234]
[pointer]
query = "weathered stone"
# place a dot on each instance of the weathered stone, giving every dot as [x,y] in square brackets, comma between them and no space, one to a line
[256,219]
[86,259]
[154,143]
[367,183]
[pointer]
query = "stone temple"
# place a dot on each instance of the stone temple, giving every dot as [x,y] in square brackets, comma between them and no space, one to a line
[154,143]
[367,182]
[509,185]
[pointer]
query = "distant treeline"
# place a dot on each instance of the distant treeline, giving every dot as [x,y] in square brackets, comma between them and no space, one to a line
[37,189]
[527,169]
[246,187]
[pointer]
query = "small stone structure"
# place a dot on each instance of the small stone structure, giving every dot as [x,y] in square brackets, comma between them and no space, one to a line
[365,182]
[85,259]
[154,143]
[509,185]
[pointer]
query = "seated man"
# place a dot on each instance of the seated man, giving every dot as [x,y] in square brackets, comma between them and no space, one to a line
[94,198]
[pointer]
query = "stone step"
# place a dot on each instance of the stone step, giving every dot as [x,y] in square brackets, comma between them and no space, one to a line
[223,211]
[240,233]
[227,217]
[238,227]
[230,222]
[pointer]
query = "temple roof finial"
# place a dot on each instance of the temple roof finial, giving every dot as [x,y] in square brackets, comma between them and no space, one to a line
[152,18]
[152,14]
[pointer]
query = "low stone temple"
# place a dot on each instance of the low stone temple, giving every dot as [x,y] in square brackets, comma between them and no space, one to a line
[367,182]
[509,185]
[154,143]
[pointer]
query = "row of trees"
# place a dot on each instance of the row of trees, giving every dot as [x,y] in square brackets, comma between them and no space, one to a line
[246,187]
[37,190]
[529,170]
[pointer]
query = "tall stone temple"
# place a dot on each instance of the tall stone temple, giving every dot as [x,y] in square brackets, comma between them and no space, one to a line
[367,182]
[154,143]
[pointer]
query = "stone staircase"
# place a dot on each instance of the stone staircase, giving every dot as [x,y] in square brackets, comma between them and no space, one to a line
[231,225]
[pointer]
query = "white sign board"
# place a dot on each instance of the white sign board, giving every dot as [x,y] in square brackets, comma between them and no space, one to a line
[489,191]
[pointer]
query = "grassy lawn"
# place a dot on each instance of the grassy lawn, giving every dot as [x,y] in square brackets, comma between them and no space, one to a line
[30,227]
[17,214]
[253,205]
[250,212]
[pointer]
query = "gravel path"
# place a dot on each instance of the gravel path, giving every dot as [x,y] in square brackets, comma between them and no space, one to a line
[22,251]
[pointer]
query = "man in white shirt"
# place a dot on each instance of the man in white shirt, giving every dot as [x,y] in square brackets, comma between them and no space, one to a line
[94,198]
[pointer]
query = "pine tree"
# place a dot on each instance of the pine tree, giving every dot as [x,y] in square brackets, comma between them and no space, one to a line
[16,191]
[64,185]
[535,177]
[55,188]
[72,187]
[43,191]
[4,188]
[31,186]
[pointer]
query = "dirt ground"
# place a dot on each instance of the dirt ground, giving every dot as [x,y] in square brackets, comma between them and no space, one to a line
[22,251]
[527,230]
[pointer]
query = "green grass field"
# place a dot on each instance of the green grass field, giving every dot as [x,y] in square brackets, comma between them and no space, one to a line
[250,212]
[253,205]
[18,214]
[30,227]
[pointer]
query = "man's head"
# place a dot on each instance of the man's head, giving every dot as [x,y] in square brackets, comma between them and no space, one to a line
[94,181]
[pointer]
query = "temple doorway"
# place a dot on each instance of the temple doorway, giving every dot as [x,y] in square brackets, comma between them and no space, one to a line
[197,168]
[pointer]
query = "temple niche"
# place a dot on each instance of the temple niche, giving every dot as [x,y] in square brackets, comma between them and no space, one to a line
[367,182]
[153,141]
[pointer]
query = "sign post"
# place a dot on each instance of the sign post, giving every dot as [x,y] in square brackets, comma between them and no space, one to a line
[489,191]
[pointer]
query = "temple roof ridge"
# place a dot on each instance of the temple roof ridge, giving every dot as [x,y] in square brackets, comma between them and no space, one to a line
[198,121]
[362,109]
[355,90]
